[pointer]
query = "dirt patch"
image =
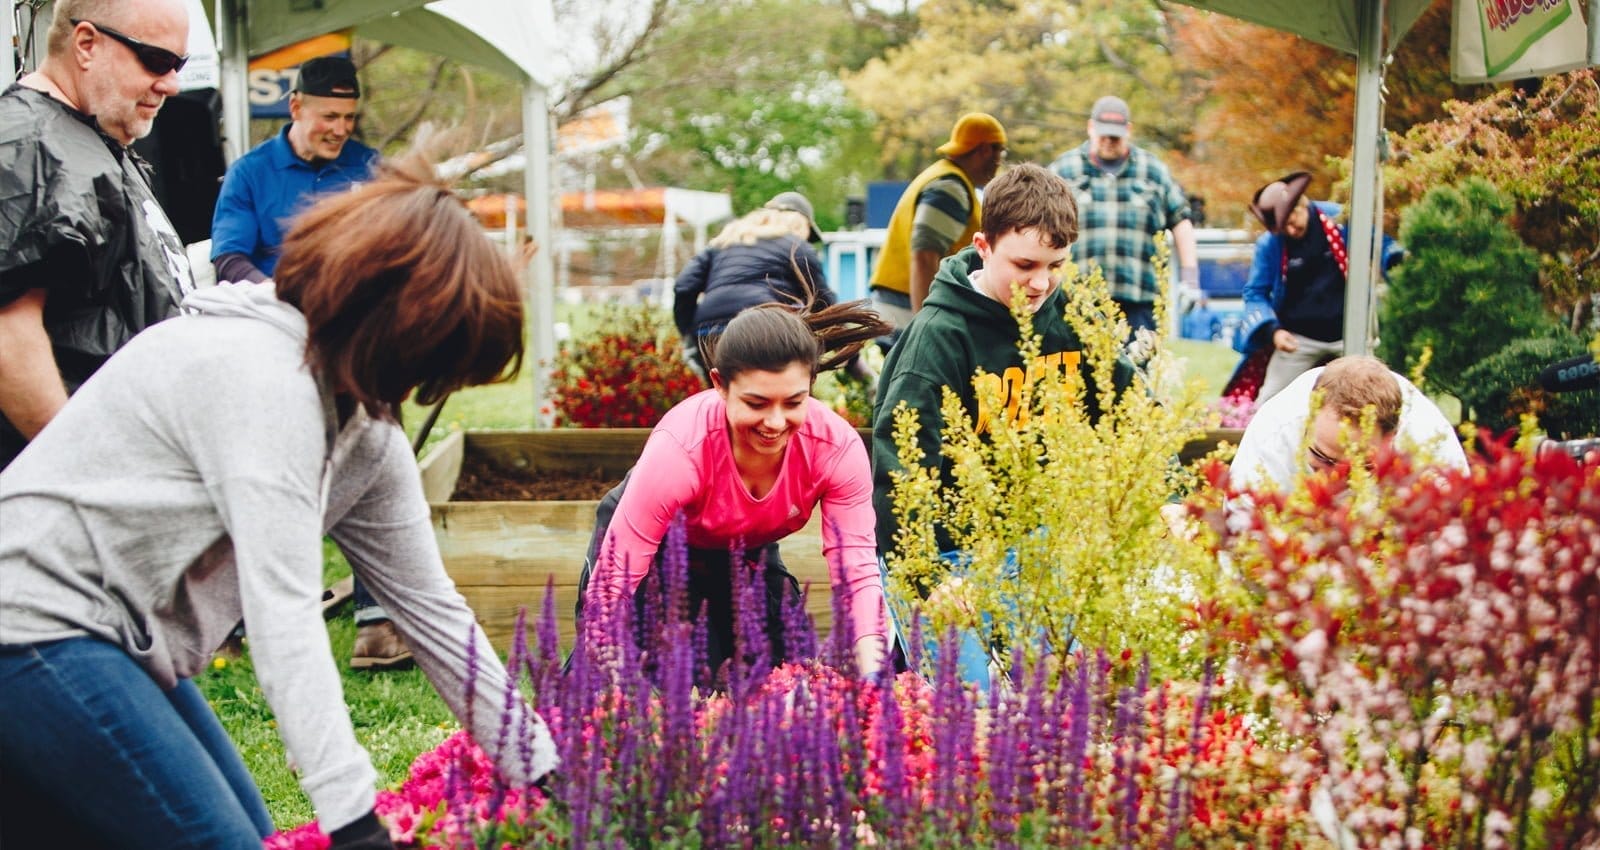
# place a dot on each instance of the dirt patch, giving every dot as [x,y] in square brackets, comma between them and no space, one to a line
[483,481]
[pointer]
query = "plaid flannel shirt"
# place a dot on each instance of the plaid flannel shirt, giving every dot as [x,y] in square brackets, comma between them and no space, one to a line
[1119,215]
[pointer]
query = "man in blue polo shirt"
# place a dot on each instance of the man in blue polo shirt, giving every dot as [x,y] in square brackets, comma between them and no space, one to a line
[263,191]
[312,156]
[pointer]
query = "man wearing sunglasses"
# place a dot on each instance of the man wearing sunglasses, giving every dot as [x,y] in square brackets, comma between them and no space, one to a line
[313,156]
[87,256]
[1288,439]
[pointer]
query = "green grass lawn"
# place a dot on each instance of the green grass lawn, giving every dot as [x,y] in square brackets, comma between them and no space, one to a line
[398,715]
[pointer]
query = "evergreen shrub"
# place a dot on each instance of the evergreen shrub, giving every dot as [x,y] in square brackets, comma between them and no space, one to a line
[1466,289]
[1502,389]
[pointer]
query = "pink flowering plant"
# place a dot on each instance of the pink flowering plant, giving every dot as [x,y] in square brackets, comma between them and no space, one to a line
[1434,640]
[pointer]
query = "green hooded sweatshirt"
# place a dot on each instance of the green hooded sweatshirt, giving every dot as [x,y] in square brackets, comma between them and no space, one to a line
[958,330]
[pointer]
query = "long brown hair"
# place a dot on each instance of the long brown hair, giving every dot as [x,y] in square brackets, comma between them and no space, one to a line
[769,337]
[401,290]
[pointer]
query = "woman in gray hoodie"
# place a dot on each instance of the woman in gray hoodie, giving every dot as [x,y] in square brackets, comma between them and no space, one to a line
[189,483]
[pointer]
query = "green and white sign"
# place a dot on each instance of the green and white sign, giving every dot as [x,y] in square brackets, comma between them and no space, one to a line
[1507,39]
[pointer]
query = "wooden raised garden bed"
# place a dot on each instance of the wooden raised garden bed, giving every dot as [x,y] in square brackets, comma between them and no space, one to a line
[502,553]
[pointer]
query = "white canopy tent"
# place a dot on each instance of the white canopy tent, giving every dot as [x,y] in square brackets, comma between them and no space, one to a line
[508,37]
[1369,29]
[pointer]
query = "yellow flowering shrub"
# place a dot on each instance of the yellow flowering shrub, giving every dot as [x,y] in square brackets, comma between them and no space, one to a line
[1058,515]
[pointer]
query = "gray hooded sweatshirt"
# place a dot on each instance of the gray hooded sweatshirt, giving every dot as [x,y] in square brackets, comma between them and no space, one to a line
[188,483]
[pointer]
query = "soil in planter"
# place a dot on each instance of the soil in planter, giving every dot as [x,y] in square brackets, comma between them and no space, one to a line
[483,481]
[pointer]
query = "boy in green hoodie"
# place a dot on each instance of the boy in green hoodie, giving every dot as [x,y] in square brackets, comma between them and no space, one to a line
[1029,224]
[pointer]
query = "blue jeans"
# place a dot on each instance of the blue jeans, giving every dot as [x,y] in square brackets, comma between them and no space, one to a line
[94,753]
[368,611]
[972,644]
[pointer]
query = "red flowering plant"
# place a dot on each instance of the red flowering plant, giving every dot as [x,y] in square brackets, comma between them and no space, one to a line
[1434,638]
[625,373]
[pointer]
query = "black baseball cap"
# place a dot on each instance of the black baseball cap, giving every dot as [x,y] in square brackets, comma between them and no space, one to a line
[328,76]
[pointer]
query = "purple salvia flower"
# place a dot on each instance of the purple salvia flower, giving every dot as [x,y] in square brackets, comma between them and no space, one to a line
[1039,733]
[514,665]
[702,647]
[840,648]
[913,647]
[752,650]
[947,711]
[799,633]
[1127,735]
[892,740]
[1003,745]
[1079,797]
[675,570]
[544,670]
[1178,801]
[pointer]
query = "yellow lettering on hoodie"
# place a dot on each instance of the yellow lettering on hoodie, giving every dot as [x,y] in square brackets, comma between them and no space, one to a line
[1008,387]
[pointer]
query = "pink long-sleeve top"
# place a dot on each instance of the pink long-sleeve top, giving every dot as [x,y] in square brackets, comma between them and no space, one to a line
[687,465]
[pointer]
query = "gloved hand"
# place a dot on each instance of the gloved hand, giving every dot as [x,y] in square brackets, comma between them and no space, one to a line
[363,833]
[1190,295]
[1189,277]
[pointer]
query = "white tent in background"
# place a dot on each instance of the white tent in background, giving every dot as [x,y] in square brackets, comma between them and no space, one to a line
[508,37]
[1369,29]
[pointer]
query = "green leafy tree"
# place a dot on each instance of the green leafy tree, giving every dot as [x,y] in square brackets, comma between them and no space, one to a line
[1036,66]
[744,97]
[1466,288]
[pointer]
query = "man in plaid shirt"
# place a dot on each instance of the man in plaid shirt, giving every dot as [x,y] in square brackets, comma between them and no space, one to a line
[1125,197]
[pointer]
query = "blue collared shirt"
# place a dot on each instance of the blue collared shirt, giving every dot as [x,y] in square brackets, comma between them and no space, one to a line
[266,187]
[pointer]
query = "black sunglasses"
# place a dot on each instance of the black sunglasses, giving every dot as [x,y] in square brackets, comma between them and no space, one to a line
[157,60]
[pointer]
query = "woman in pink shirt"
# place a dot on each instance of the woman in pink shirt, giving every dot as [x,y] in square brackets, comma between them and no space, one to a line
[746,463]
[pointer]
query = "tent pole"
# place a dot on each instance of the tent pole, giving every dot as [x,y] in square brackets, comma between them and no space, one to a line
[233,63]
[8,34]
[32,35]
[1366,180]
[1594,32]
[536,174]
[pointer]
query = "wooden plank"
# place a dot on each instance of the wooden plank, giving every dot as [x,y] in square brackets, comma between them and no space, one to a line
[441,467]
[1199,448]
[611,451]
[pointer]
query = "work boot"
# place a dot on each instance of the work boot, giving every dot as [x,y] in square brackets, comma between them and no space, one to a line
[379,647]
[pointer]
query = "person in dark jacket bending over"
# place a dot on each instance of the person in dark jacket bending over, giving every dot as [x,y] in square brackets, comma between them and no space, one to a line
[87,257]
[761,257]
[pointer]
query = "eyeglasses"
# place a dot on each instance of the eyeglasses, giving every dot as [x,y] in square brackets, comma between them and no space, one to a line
[157,60]
[1318,460]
